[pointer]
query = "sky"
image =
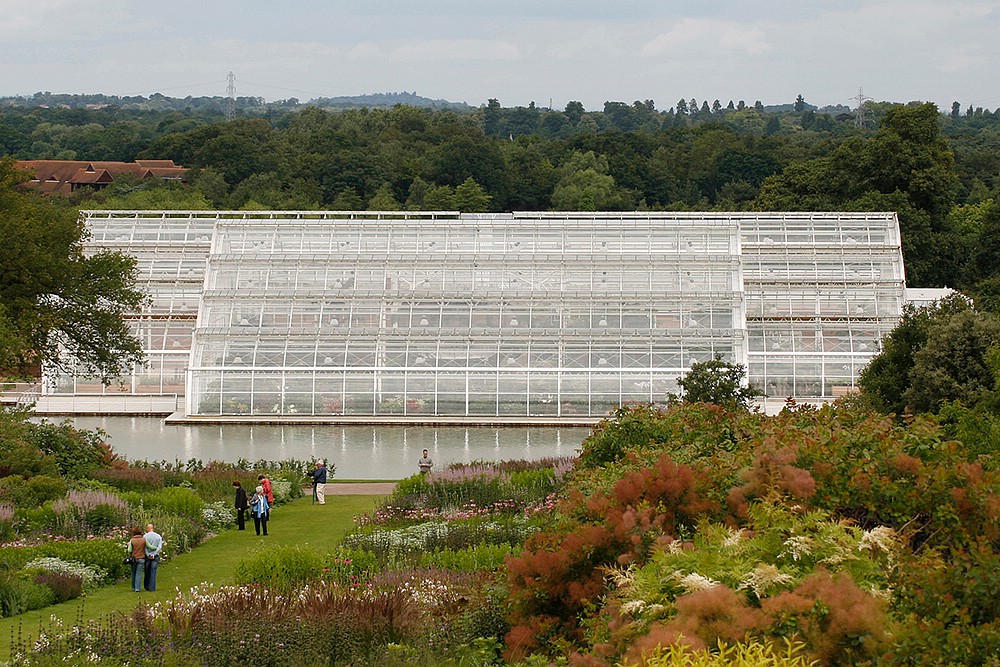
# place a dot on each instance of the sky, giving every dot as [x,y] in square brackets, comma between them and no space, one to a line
[518,51]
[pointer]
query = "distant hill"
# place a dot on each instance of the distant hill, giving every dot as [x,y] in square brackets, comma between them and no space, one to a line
[377,100]
[244,105]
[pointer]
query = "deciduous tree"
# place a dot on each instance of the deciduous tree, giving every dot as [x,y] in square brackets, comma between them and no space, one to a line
[57,306]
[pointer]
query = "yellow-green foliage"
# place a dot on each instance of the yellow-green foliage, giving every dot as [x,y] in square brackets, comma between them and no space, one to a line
[743,654]
[282,567]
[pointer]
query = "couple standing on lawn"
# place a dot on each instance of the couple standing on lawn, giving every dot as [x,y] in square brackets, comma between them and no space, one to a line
[259,504]
[145,551]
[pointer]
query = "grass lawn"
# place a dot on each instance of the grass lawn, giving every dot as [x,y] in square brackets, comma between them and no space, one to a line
[299,522]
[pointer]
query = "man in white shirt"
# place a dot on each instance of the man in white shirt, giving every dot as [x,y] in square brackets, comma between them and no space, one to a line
[154,545]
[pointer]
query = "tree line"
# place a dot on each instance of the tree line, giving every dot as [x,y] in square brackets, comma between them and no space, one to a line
[938,170]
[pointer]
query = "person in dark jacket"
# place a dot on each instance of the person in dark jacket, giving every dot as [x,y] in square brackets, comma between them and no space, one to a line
[242,503]
[319,482]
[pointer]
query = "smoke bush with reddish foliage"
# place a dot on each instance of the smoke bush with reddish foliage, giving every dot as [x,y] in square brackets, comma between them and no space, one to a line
[651,473]
[703,619]
[559,574]
[840,623]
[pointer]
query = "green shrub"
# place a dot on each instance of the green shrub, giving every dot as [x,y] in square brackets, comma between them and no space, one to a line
[628,427]
[43,488]
[528,485]
[487,615]
[283,567]
[34,520]
[25,460]
[133,478]
[103,554]
[18,595]
[345,565]
[218,515]
[180,533]
[175,500]
[6,522]
[415,485]
[32,492]
[469,559]
[65,585]
[78,453]
[13,490]
[90,576]
[82,514]
[742,654]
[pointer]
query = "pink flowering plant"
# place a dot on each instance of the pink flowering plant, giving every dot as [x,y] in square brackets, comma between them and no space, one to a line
[464,491]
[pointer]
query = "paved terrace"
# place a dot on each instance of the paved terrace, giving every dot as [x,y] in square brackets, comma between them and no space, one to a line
[383,420]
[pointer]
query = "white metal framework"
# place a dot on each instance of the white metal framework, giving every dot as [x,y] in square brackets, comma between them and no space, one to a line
[170,250]
[483,315]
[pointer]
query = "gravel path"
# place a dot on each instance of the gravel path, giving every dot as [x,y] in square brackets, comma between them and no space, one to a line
[357,489]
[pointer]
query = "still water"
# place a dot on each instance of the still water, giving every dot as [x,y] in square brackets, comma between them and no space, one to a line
[358,452]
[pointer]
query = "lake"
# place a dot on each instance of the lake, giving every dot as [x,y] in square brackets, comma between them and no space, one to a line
[358,452]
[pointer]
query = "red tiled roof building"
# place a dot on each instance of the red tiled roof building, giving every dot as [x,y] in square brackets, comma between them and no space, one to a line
[66,176]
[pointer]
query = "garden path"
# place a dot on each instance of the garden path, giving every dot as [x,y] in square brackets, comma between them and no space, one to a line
[359,488]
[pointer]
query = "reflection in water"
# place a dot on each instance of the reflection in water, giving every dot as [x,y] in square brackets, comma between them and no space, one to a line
[358,452]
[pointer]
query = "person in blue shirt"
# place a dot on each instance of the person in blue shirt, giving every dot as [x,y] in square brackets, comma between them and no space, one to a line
[259,509]
[154,547]
[319,482]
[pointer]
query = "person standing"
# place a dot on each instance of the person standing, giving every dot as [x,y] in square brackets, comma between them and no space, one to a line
[268,489]
[241,506]
[137,549]
[319,482]
[259,510]
[425,463]
[154,546]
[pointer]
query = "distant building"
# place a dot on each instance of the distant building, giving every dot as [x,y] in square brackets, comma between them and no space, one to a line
[62,177]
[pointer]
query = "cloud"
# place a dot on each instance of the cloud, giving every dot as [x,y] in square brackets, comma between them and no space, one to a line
[701,35]
[443,50]
[54,20]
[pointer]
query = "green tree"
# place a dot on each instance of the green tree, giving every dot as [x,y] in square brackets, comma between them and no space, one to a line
[773,125]
[58,306]
[720,382]
[470,197]
[383,200]
[263,188]
[416,194]
[77,453]
[348,200]
[531,176]
[492,115]
[574,111]
[585,185]
[954,363]
[211,184]
[439,198]
[887,378]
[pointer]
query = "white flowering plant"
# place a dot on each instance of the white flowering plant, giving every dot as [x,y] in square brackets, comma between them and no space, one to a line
[774,553]
[218,515]
[92,576]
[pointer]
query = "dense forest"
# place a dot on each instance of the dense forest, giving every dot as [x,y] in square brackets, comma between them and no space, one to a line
[938,170]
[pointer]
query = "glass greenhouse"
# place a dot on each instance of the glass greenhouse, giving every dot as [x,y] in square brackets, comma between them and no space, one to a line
[497,315]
